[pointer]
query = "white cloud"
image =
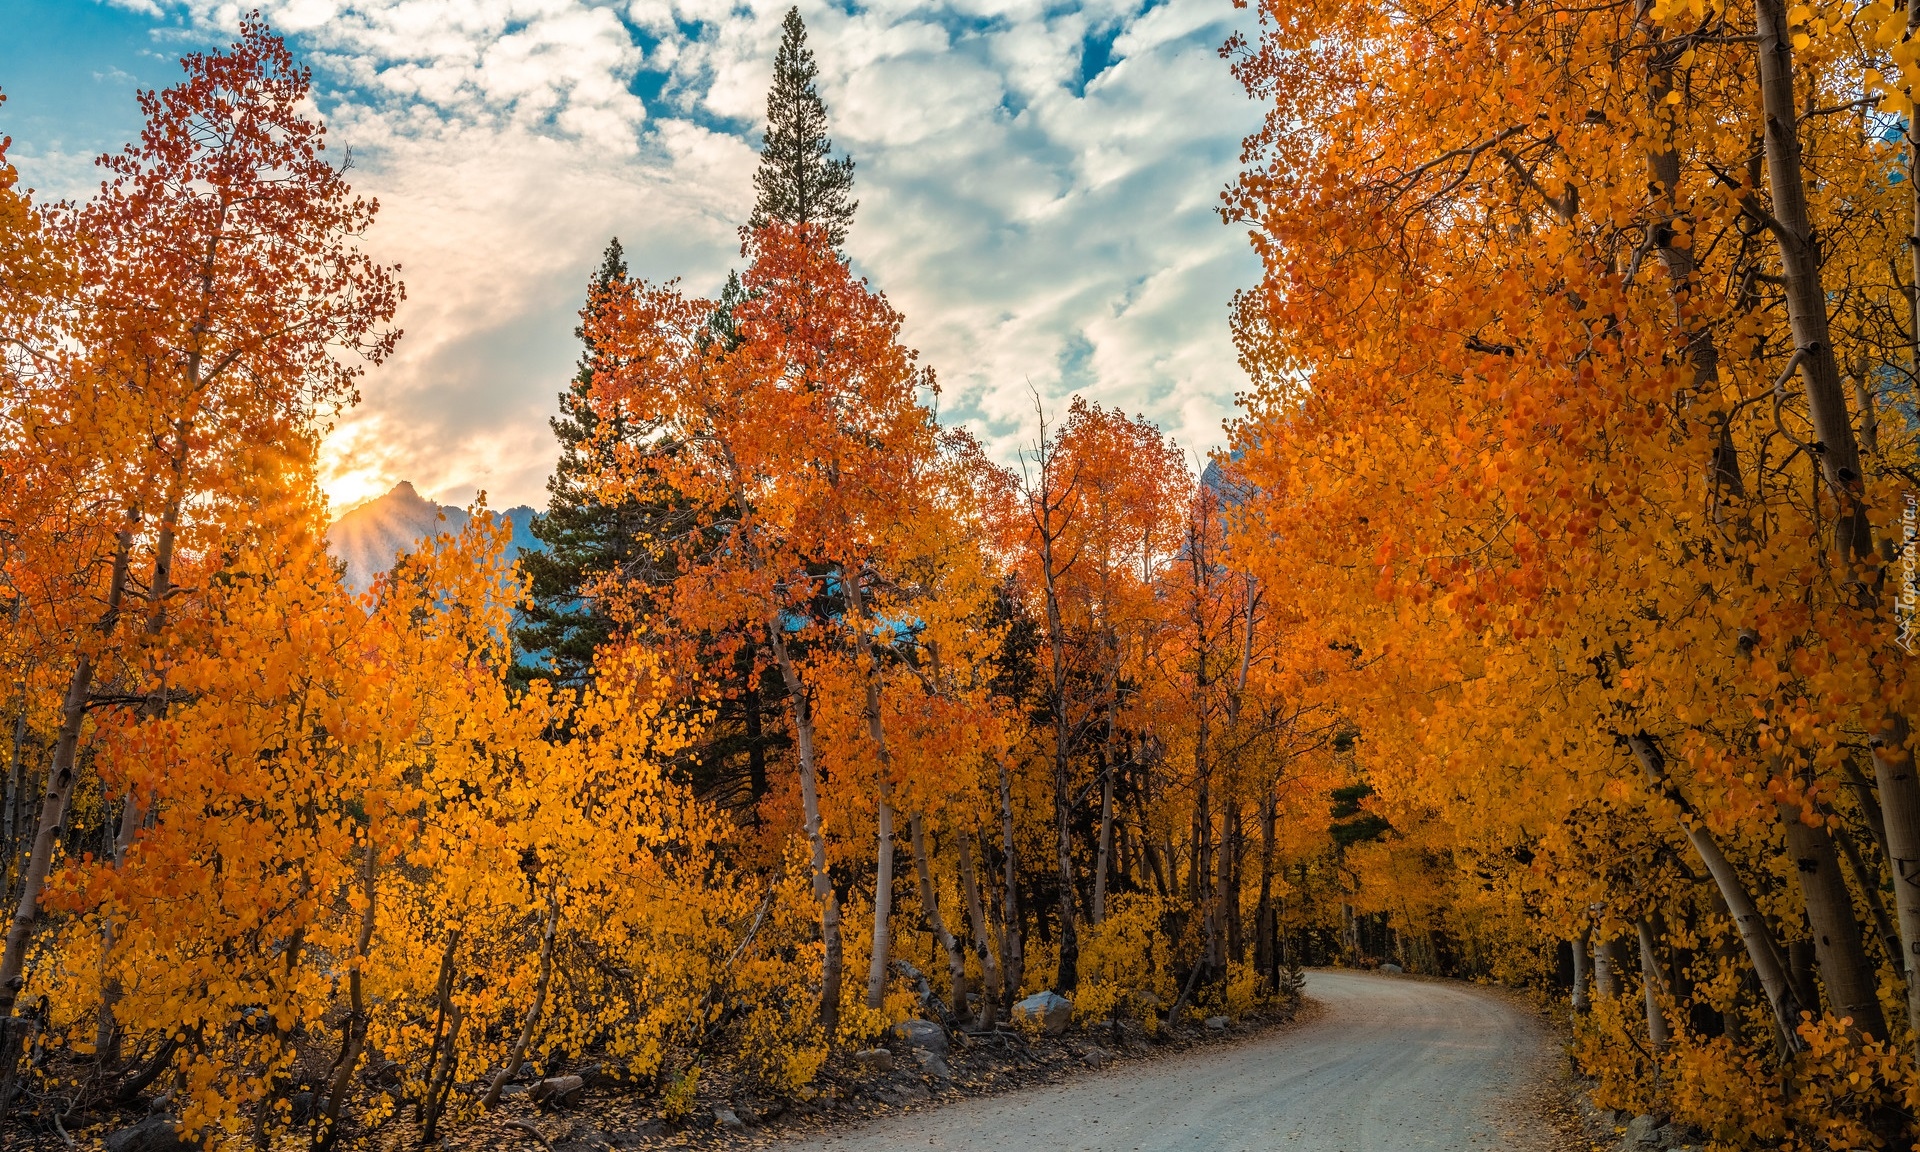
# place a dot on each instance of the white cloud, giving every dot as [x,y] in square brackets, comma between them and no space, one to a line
[1033,224]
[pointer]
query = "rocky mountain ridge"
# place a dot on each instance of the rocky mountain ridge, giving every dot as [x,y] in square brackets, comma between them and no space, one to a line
[369,537]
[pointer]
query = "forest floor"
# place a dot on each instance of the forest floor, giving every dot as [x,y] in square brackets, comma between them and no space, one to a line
[1371,1063]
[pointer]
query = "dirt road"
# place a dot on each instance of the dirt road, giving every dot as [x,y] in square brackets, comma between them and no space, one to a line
[1387,1065]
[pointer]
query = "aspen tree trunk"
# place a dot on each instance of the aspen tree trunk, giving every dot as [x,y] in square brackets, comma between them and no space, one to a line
[1869,806]
[990,989]
[1226,894]
[1155,868]
[1678,260]
[353,1038]
[1799,253]
[1754,932]
[16,768]
[440,1078]
[1838,949]
[527,1030]
[1203,862]
[1106,846]
[283,1026]
[133,813]
[59,791]
[1606,970]
[882,904]
[1652,986]
[830,969]
[756,743]
[1800,968]
[1202,866]
[16,786]
[1015,962]
[877,732]
[1043,506]
[1265,922]
[930,902]
[1581,1005]
[426,1111]
[1867,879]
[1893,767]
[1839,456]
[1067,976]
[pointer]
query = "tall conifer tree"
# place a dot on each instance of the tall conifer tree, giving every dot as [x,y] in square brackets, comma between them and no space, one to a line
[799,181]
[585,537]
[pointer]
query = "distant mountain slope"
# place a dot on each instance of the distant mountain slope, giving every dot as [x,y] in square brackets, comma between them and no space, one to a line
[370,536]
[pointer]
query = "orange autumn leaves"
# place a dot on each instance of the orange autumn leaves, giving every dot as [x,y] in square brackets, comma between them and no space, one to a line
[265,816]
[1582,374]
[306,861]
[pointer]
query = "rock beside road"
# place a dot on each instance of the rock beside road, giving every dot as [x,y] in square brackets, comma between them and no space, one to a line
[922,1034]
[1052,1011]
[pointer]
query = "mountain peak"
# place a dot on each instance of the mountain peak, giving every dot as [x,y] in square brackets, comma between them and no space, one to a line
[370,536]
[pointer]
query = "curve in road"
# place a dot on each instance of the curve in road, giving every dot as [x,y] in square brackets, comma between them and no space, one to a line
[1388,1065]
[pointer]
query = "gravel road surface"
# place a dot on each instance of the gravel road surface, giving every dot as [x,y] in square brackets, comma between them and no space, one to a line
[1386,1065]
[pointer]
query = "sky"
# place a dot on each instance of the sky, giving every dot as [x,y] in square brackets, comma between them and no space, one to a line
[1038,183]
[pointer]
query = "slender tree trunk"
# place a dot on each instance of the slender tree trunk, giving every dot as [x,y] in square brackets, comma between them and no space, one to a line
[1754,932]
[756,739]
[1015,962]
[59,789]
[877,732]
[1106,845]
[991,993]
[1806,296]
[425,1111]
[1849,978]
[1201,869]
[930,903]
[1264,919]
[1802,961]
[801,702]
[1230,872]
[882,902]
[1900,808]
[1580,944]
[1154,867]
[354,1031]
[133,813]
[1799,253]
[1067,976]
[527,1030]
[16,786]
[1676,256]
[1652,987]
[283,1023]
[1869,806]
[1867,878]
[1606,969]
[440,1079]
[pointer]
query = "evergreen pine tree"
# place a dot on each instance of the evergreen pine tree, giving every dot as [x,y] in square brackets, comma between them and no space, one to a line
[798,181]
[585,538]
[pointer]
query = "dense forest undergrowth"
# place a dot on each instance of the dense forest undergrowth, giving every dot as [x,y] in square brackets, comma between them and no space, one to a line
[1548,619]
